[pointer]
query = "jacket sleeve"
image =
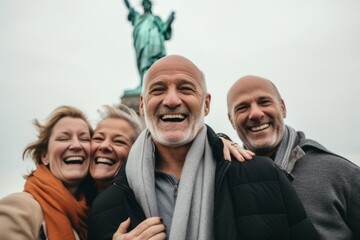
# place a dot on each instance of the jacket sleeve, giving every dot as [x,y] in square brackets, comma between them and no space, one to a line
[299,224]
[20,217]
[107,212]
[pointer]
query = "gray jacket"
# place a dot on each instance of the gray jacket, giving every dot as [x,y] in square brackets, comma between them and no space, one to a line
[328,186]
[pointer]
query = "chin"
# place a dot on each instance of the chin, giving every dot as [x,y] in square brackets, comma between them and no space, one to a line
[174,141]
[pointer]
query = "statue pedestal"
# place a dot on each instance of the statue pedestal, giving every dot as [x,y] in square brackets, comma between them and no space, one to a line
[131,100]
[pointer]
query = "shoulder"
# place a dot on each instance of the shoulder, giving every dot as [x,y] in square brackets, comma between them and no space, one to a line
[256,169]
[215,143]
[328,160]
[20,216]
[113,197]
[132,14]
[22,201]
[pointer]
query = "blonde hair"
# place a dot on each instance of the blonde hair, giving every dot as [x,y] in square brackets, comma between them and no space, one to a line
[123,112]
[39,147]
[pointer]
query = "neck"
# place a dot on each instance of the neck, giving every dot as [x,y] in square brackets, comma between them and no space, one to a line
[102,185]
[265,152]
[73,190]
[171,159]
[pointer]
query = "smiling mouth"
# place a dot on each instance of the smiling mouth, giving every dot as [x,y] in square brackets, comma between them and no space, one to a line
[173,117]
[74,160]
[259,128]
[106,161]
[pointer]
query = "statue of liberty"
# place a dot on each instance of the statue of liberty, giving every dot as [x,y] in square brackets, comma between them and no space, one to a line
[149,35]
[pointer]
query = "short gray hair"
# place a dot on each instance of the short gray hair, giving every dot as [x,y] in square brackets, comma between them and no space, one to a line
[123,112]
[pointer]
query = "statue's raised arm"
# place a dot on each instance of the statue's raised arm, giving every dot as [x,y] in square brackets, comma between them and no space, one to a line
[169,21]
[127,4]
[149,35]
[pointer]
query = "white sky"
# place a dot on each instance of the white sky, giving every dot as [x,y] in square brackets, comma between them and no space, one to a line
[80,53]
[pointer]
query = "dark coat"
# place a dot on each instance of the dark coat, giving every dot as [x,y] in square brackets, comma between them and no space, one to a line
[253,200]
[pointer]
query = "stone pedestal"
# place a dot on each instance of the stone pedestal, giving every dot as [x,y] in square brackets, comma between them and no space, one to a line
[132,101]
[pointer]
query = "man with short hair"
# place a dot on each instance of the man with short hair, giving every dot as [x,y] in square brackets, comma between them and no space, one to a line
[327,184]
[176,171]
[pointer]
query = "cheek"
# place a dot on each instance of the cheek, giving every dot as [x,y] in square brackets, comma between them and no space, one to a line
[238,121]
[54,153]
[87,146]
[122,154]
[93,148]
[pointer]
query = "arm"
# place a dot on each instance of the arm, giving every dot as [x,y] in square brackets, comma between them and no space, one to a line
[170,18]
[20,217]
[150,228]
[167,25]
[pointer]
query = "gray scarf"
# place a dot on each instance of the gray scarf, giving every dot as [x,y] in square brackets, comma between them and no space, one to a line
[286,156]
[193,214]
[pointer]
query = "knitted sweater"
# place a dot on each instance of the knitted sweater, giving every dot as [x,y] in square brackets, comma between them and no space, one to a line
[329,188]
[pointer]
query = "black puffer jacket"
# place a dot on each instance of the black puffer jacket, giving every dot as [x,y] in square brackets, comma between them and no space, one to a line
[253,200]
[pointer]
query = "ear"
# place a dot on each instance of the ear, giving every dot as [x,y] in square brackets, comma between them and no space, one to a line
[45,159]
[207,103]
[232,124]
[141,106]
[283,108]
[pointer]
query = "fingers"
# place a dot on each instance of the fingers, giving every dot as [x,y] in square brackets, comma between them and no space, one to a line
[122,229]
[226,152]
[154,232]
[147,223]
[247,154]
[151,228]
[233,149]
[159,236]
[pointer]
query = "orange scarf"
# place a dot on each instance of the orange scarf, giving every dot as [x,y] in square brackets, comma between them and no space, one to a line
[62,211]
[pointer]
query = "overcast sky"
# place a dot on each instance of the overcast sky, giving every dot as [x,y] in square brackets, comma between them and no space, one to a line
[80,53]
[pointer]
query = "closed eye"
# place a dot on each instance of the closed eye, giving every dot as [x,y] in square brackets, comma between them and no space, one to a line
[265,102]
[97,139]
[157,90]
[241,108]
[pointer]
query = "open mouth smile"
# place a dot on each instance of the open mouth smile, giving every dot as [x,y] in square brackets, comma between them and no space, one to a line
[259,128]
[106,161]
[74,160]
[173,117]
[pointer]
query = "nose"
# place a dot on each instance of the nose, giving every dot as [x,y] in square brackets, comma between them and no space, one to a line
[75,144]
[172,98]
[105,146]
[255,112]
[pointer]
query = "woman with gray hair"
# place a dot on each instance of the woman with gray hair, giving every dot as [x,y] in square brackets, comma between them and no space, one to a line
[113,137]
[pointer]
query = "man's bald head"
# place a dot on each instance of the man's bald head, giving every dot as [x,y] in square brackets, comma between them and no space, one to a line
[171,64]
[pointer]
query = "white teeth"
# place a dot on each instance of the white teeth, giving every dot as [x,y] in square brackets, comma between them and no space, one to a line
[74,160]
[170,116]
[71,159]
[261,127]
[104,161]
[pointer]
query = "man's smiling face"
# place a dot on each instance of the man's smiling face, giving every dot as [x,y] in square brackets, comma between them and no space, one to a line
[257,113]
[174,101]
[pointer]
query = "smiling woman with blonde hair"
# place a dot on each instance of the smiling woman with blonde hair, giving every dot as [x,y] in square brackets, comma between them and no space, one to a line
[52,205]
[113,137]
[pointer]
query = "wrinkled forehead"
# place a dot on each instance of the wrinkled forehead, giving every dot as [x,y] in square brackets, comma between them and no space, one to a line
[173,64]
[251,86]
